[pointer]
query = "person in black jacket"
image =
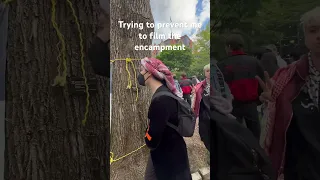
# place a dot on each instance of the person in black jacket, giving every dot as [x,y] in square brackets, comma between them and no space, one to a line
[267,59]
[269,63]
[168,152]
[99,51]
[239,71]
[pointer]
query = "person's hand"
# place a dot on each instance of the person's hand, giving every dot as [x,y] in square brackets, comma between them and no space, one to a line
[266,87]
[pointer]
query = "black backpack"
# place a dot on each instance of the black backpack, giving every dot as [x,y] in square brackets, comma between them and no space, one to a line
[186,117]
[235,153]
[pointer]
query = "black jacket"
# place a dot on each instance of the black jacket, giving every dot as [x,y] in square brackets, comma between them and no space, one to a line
[235,153]
[239,73]
[168,148]
[269,63]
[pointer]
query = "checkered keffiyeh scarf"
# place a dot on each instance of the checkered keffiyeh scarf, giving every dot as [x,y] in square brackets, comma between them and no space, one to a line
[313,82]
[160,71]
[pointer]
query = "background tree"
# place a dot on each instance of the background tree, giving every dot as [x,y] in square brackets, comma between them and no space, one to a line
[192,60]
[45,136]
[232,14]
[266,22]
[201,53]
[129,117]
[176,60]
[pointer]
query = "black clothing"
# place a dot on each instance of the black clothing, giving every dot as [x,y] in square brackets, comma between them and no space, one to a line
[168,148]
[258,52]
[239,73]
[248,112]
[204,122]
[269,63]
[235,153]
[187,97]
[99,55]
[302,160]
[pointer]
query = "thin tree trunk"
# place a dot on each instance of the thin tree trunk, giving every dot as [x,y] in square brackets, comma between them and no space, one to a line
[129,117]
[45,137]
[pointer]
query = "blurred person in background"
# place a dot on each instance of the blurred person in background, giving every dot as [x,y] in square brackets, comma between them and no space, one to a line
[186,86]
[177,83]
[281,63]
[269,63]
[195,80]
[219,94]
[267,59]
[201,90]
[239,70]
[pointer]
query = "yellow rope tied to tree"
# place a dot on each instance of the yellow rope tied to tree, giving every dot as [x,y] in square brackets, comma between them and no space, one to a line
[129,86]
[61,79]
[112,160]
[130,61]
[82,63]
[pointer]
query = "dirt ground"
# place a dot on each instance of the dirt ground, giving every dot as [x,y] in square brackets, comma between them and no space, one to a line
[133,167]
[198,155]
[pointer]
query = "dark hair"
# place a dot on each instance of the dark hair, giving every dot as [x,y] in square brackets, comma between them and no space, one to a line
[184,75]
[174,76]
[235,41]
[258,52]
[297,52]
[269,63]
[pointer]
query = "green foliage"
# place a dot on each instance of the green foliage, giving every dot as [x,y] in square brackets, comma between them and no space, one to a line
[201,55]
[232,14]
[186,61]
[176,60]
[202,44]
[267,21]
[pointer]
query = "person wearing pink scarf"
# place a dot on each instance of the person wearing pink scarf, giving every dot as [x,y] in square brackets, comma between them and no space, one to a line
[168,152]
[292,115]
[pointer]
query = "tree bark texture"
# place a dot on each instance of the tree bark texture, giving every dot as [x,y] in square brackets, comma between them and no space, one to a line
[128,117]
[44,134]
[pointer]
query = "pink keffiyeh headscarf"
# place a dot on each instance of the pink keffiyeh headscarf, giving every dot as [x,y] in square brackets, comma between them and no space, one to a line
[160,71]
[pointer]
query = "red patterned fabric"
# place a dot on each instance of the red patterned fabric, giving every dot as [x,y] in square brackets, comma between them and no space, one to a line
[239,52]
[160,71]
[282,78]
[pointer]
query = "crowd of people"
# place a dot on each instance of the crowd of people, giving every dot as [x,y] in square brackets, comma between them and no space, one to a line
[289,95]
[234,88]
[288,92]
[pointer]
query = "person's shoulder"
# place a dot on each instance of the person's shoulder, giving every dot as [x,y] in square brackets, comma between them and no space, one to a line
[251,58]
[164,97]
[241,57]
[284,71]
[200,84]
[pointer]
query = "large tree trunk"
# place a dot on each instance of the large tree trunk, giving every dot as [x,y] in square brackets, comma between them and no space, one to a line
[128,117]
[45,136]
